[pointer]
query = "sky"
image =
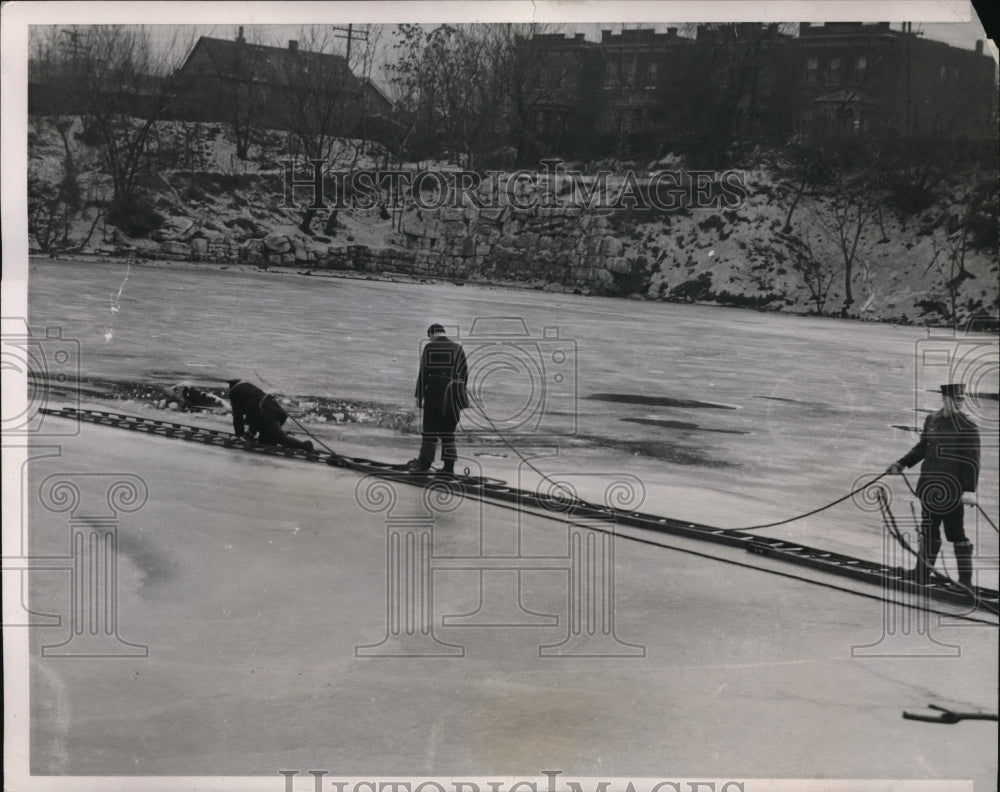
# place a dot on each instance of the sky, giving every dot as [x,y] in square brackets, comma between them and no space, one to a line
[957,34]
[276,23]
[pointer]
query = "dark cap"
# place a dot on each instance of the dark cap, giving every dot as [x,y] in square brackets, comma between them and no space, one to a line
[434,328]
[955,390]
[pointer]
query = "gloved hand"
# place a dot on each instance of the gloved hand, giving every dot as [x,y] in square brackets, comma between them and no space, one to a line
[969,498]
[894,469]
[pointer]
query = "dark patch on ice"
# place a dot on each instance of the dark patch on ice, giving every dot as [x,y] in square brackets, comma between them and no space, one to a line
[155,565]
[675,453]
[314,410]
[681,425]
[820,405]
[906,428]
[656,401]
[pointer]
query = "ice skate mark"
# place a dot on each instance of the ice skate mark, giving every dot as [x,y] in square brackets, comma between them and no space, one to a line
[657,401]
[116,300]
[691,427]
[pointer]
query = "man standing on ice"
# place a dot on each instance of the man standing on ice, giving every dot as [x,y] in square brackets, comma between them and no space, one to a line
[261,415]
[441,393]
[949,449]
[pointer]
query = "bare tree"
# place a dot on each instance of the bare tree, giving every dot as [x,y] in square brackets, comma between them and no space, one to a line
[320,94]
[125,80]
[244,96]
[322,87]
[530,76]
[817,272]
[453,78]
[728,69]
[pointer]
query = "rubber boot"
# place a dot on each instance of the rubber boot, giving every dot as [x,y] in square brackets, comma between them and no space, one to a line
[926,556]
[963,558]
[448,467]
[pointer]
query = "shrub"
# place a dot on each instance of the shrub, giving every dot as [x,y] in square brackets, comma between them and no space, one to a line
[134,215]
[698,289]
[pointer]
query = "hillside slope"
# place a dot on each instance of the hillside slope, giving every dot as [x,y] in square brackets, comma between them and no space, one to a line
[202,203]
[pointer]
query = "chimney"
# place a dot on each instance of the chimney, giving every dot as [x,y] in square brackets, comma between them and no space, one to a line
[239,38]
[293,45]
[672,32]
[979,46]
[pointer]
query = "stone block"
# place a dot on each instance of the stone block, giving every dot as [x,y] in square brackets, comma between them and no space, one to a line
[277,243]
[452,228]
[174,248]
[451,214]
[467,246]
[611,246]
[526,241]
[495,214]
[619,265]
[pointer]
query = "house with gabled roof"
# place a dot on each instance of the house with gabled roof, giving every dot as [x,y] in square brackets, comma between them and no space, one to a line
[241,83]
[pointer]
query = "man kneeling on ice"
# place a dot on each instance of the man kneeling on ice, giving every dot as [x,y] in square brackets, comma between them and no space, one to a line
[256,413]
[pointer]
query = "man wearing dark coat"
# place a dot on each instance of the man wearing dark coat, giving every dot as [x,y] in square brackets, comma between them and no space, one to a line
[949,450]
[441,394]
[257,414]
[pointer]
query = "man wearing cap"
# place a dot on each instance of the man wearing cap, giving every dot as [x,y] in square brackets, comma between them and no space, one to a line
[949,449]
[259,414]
[441,394]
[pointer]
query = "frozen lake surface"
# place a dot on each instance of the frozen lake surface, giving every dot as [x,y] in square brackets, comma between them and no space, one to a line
[259,587]
[728,417]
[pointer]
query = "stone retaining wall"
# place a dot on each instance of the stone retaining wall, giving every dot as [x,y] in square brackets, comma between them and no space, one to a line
[560,248]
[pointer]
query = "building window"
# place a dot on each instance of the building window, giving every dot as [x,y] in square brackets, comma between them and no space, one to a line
[833,70]
[611,75]
[944,73]
[540,122]
[812,71]
[628,76]
[651,75]
[860,68]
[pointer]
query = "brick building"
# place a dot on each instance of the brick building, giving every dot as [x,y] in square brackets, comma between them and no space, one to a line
[563,116]
[869,77]
[759,82]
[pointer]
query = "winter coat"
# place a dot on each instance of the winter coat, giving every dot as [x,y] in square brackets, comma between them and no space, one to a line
[441,384]
[949,449]
[254,410]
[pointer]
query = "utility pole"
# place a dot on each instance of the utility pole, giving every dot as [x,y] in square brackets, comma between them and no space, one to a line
[350,35]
